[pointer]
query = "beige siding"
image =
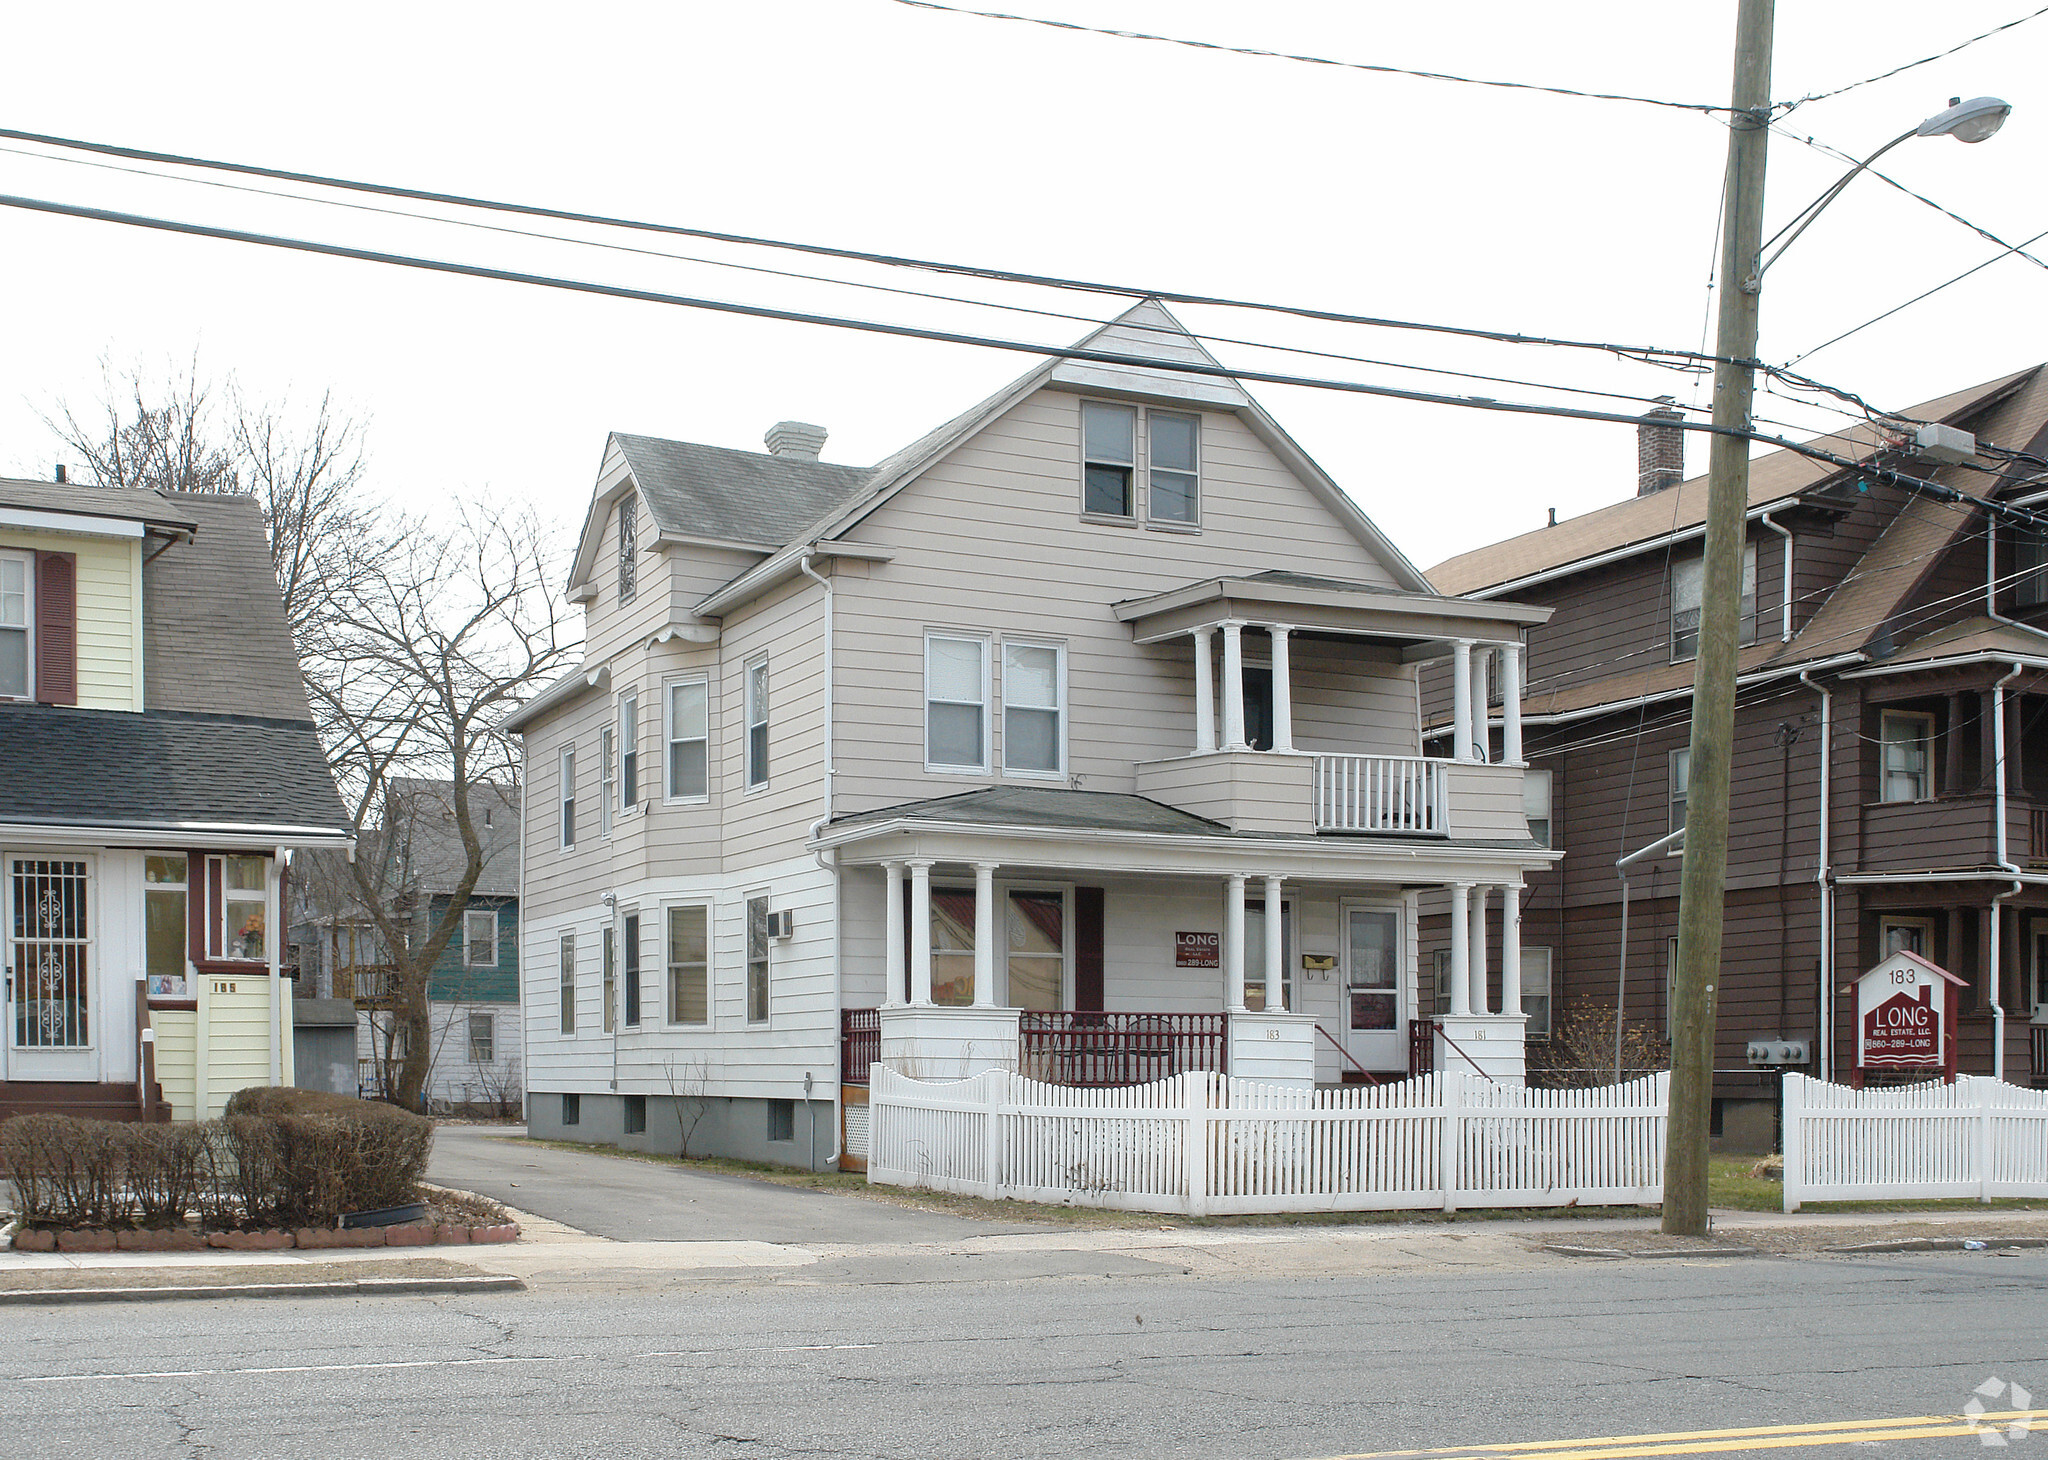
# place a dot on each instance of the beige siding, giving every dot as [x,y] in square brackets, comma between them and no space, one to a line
[176,1050]
[237,1037]
[109,614]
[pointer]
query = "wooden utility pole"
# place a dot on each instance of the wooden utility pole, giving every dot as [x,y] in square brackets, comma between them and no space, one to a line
[1703,886]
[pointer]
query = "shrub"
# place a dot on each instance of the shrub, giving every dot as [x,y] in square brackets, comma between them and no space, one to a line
[166,1166]
[330,1154]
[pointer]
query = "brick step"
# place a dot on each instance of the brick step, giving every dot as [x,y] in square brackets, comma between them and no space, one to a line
[87,1101]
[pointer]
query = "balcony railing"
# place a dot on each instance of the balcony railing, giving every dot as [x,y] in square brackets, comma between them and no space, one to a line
[860,1044]
[1403,795]
[367,983]
[1090,1048]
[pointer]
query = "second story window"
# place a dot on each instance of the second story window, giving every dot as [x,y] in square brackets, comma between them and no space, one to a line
[1033,708]
[629,547]
[1536,805]
[689,740]
[955,702]
[1687,583]
[757,723]
[1681,782]
[1174,446]
[629,753]
[568,774]
[607,778]
[1109,452]
[16,674]
[1906,742]
[2029,569]
[480,938]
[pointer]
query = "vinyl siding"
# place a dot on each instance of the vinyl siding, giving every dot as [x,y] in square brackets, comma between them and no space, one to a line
[238,1036]
[176,1050]
[109,614]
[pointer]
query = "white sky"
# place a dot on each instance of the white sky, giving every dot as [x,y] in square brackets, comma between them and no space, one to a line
[863,123]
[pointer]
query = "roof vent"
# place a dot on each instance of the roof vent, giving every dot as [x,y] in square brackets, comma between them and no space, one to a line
[796,438]
[1660,448]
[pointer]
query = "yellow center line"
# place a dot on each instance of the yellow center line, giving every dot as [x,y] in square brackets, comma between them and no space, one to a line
[1706,1442]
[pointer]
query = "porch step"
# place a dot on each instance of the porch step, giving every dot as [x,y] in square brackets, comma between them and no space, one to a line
[87,1101]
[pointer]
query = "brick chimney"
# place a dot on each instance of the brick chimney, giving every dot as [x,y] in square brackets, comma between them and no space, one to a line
[1660,448]
[796,438]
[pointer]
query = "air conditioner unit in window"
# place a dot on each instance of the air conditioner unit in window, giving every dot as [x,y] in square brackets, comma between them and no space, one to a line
[781,924]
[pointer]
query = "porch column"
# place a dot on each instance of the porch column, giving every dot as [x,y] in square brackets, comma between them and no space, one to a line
[1510,949]
[1461,950]
[1511,703]
[1233,945]
[1283,689]
[1205,694]
[1276,949]
[1477,946]
[1951,750]
[921,933]
[1481,743]
[984,935]
[1461,699]
[1233,686]
[892,978]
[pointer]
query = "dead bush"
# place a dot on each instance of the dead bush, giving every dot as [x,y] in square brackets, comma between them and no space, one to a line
[332,1154]
[1580,1050]
[166,1165]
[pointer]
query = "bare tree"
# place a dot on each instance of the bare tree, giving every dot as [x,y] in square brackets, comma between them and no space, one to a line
[429,645]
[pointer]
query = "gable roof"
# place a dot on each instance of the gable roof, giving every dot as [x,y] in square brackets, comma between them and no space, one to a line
[751,497]
[1646,522]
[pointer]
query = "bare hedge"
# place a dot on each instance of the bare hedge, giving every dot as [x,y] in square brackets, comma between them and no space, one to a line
[277,1157]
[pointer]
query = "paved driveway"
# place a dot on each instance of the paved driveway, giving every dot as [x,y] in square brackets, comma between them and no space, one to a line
[646,1201]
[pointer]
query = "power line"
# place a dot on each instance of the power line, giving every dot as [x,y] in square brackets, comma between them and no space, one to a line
[1789,106]
[1383,70]
[2007,252]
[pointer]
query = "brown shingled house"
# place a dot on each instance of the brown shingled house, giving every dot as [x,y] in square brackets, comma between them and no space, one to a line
[1868,811]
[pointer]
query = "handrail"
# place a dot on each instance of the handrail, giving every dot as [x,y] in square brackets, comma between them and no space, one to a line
[1461,1052]
[1347,1054]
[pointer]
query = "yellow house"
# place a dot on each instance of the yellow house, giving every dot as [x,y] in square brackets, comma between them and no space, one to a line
[158,767]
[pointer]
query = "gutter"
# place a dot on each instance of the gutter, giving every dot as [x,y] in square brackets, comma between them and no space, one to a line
[781,568]
[1611,707]
[1231,842]
[568,687]
[1785,597]
[182,834]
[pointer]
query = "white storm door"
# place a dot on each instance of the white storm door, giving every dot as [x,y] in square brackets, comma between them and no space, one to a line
[52,1002]
[1375,1026]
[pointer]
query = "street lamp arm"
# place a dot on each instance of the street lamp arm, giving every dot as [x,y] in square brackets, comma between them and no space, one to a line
[1804,218]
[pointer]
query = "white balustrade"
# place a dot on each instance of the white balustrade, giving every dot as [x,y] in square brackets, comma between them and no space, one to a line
[1398,794]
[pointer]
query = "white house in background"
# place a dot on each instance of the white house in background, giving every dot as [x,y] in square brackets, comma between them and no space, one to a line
[1079,737]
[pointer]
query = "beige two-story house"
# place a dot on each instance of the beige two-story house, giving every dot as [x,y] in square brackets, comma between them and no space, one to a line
[1080,737]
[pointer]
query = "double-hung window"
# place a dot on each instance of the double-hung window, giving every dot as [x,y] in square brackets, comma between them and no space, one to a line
[629,752]
[483,1039]
[689,965]
[607,778]
[757,960]
[1681,785]
[1536,999]
[480,938]
[17,626]
[608,976]
[689,740]
[1536,805]
[1109,451]
[568,774]
[955,702]
[239,930]
[1688,581]
[568,990]
[1173,452]
[630,936]
[757,723]
[1907,744]
[1034,708]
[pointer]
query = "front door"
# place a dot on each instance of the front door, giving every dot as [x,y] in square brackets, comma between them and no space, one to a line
[1375,1023]
[51,1005]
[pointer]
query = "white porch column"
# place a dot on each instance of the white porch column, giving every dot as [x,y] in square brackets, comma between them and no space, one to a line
[892,981]
[1283,689]
[1205,694]
[1477,946]
[1233,686]
[1461,699]
[920,933]
[1461,951]
[984,935]
[1233,945]
[1511,704]
[1276,945]
[1510,949]
[1481,741]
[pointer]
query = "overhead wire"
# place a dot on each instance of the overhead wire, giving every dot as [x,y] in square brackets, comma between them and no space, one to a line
[1785,107]
[2007,252]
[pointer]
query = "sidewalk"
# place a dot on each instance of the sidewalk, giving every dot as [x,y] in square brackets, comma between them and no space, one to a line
[554,1256]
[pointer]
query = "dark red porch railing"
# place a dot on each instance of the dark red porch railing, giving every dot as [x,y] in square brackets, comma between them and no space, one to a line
[1088,1047]
[1421,1046]
[2040,1070]
[860,1044]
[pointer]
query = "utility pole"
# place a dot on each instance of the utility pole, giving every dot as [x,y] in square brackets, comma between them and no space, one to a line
[1703,884]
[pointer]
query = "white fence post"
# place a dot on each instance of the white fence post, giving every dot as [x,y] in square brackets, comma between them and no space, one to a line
[1793,1091]
[1451,1154]
[1195,1094]
[1982,1091]
[992,1142]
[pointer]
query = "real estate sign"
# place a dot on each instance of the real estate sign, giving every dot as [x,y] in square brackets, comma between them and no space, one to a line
[1905,1017]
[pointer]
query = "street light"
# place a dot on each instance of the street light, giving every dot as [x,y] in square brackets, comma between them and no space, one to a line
[1966,121]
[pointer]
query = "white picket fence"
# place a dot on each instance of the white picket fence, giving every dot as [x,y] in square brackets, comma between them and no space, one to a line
[1204,1143]
[1979,1138]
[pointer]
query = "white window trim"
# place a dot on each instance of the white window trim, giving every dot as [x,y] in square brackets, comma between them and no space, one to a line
[1003,888]
[565,983]
[565,797]
[767,1019]
[631,949]
[669,741]
[468,943]
[1549,984]
[228,898]
[1533,775]
[750,786]
[630,744]
[1887,921]
[474,1015]
[1671,792]
[986,642]
[1926,743]
[1059,647]
[28,622]
[710,1020]
[1173,524]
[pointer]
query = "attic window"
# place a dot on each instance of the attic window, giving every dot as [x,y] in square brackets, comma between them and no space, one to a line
[1687,583]
[1109,460]
[629,545]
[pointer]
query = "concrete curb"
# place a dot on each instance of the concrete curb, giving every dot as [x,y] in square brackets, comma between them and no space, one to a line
[1567,1250]
[1942,1244]
[325,1288]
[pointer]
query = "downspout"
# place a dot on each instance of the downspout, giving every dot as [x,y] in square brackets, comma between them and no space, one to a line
[1785,604]
[1823,876]
[519,945]
[1995,973]
[832,867]
[1662,844]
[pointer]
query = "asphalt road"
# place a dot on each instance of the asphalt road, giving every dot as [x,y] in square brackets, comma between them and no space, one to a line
[646,1201]
[1147,1364]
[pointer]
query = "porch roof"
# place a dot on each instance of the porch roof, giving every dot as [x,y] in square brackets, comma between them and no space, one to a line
[1325,605]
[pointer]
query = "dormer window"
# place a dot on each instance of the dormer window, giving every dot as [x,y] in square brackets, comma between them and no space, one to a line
[1688,580]
[17,677]
[629,545]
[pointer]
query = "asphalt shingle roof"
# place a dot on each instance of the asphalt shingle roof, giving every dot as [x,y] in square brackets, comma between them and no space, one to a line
[214,635]
[735,496]
[1048,807]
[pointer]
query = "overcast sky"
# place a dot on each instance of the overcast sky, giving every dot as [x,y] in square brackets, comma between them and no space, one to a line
[868,124]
